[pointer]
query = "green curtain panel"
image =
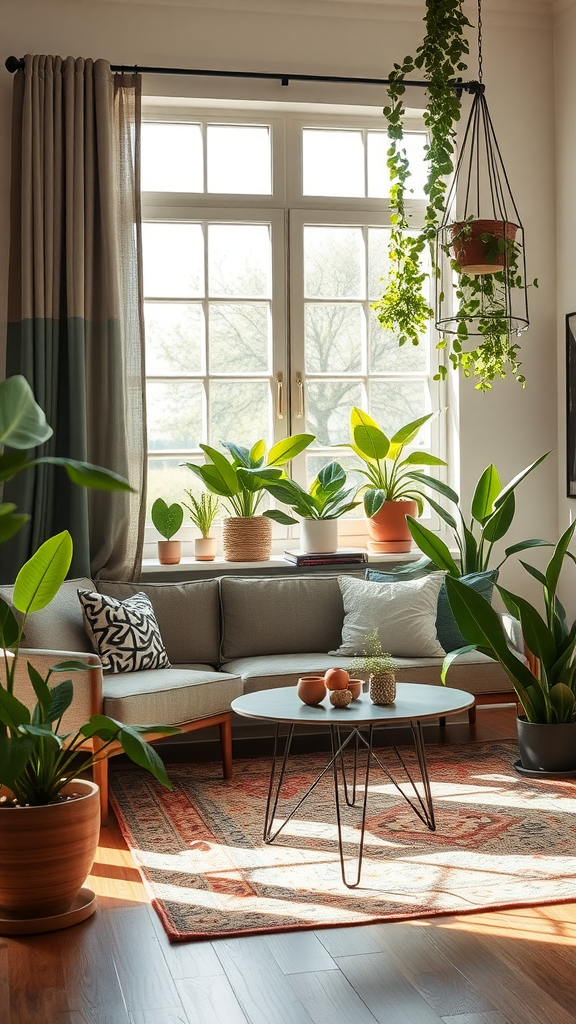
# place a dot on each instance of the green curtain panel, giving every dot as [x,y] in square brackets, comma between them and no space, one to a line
[75,324]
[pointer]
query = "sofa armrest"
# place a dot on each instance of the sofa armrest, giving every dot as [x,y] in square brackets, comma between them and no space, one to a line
[87,683]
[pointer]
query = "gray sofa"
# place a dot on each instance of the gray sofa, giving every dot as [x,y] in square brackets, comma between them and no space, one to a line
[224,637]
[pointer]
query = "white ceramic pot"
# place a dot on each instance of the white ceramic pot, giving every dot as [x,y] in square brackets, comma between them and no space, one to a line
[319,536]
[205,549]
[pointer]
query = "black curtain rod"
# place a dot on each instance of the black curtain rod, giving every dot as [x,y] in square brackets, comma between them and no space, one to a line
[14,64]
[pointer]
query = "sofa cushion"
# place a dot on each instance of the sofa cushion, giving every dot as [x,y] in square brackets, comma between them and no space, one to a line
[447,631]
[472,672]
[279,615]
[403,613]
[125,633]
[187,613]
[168,695]
[59,626]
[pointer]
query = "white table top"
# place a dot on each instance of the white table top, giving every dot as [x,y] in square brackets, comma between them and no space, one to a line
[414,702]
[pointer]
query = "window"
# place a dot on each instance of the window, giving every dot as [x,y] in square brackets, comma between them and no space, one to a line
[265,240]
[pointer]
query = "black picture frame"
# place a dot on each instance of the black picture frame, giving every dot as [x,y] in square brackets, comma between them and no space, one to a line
[571,405]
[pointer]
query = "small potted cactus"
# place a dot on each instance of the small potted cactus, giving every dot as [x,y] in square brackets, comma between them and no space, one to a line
[203,511]
[168,519]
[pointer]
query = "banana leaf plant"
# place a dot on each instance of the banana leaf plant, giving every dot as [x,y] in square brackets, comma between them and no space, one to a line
[491,515]
[550,695]
[327,497]
[390,476]
[235,478]
[36,759]
[23,427]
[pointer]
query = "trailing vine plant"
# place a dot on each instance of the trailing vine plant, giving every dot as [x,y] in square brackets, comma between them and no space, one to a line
[403,307]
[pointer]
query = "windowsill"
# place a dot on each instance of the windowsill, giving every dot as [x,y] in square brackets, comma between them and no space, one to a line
[151,566]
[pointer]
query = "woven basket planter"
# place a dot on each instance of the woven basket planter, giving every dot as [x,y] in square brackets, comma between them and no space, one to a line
[247,539]
[383,688]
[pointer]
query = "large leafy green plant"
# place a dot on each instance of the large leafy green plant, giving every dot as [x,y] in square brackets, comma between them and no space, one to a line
[547,695]
[36,759]
[235,478]
[391,476]
[491,515]
[327,498]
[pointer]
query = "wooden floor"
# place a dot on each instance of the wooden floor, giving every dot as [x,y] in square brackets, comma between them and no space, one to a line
[514,967]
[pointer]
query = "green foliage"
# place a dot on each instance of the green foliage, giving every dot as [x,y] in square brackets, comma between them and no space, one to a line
[23,427]
[403,307]
[203,510]
[491,515]
[327,498]
[167,518]
[235,478]
[390,476]
[375,661]
[550,696]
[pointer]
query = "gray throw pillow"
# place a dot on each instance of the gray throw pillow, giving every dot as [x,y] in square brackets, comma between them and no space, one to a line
[447,631]
[125,634]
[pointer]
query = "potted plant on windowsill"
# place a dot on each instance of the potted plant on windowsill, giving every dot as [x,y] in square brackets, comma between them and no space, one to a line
[546,687]
[168,519]
[319,508]
[246,535]
[394,490]
[49,819]
[203,512]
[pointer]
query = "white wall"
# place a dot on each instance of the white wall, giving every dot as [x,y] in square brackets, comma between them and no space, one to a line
[508,426]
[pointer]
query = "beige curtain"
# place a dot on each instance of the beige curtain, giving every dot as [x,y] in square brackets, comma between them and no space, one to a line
[75,314]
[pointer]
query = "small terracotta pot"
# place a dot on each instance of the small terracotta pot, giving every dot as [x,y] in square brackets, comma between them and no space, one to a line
[205,549]
[311,689]
[470,251]
[355,687]
[169,552]
[388,529]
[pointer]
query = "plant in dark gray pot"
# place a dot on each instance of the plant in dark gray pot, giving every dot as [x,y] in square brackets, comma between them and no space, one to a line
[546,687]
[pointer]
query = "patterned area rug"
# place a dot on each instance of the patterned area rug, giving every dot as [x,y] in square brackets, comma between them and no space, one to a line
[502,840]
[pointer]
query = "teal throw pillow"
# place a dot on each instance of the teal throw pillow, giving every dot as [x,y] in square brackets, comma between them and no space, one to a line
[447,631]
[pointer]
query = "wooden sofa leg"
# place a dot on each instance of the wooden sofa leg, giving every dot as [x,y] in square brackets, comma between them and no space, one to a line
[472,715]
[226,744]
[442,721]
[100,775]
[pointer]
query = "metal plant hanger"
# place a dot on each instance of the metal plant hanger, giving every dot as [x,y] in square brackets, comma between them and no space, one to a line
[481,287]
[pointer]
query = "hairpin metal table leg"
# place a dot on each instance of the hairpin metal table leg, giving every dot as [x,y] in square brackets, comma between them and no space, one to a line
[337,751]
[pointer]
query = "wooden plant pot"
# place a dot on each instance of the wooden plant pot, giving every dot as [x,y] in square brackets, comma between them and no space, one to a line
[470,252]
[247,538]
[169,552]
[388,529]
[205,549]
[47,852]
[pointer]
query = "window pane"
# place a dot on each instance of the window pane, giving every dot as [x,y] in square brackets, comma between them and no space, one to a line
[314,463]
[239,260]
[378,176]
[172,158]
[378,241]
[173,260]
[334,263]
[386,356]
[333,163]
[239,159]
[334,338]
[395,403]
[174,338]
[328,405]
[239,337]
[174,416]
[240,412]
[168,479]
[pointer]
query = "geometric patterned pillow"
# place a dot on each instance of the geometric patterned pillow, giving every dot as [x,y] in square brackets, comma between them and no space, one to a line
[125,634]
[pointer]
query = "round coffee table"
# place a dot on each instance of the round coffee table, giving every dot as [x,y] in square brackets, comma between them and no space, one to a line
[414,704]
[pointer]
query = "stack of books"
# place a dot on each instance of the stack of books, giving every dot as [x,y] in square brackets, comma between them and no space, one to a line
[344,556]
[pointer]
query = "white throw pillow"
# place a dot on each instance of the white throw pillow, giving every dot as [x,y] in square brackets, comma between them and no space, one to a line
[125,633]
[403,613]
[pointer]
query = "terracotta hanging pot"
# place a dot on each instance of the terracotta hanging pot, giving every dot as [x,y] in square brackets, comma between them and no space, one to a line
[247,538]
[388,529]
[472,254]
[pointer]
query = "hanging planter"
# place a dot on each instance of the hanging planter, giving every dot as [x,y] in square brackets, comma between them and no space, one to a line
[472,229]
